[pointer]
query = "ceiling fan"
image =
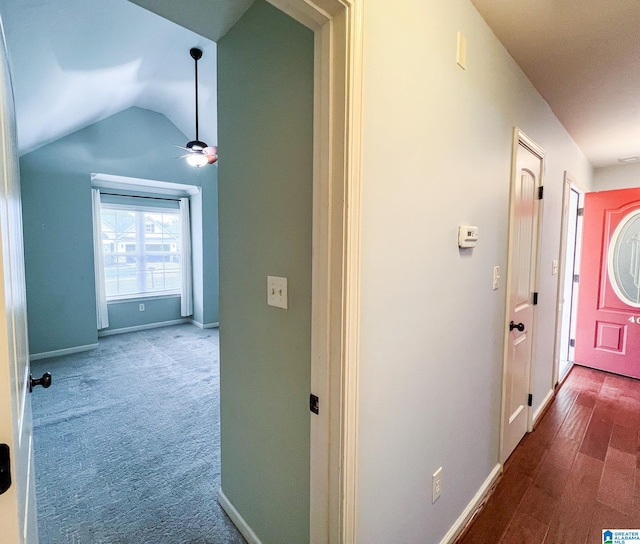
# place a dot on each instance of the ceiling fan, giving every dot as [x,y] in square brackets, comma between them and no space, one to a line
[199,153]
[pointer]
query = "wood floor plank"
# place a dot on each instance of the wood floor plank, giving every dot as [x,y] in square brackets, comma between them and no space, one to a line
[598,434]
[576,422]
[494,519]
[539,504]
[624,439]
[571,522]
[584,479]
[552,478]
[605,517]
[628,412]
[618,481]
[525,529]
[576,474]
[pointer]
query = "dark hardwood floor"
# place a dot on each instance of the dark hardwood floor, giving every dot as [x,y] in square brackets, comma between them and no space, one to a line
[576,474]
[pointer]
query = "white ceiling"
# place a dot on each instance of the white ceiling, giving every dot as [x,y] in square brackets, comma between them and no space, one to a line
[75,62]
[584,59]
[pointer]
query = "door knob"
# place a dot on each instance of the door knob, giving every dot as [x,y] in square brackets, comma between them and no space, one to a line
[519,326]
[45,381]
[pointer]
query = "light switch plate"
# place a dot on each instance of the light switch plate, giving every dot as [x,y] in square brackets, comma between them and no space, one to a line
[496,278]
[554,267]
[277,292]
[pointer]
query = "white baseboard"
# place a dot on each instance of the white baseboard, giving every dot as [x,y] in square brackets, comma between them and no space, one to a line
[61,352]
[237,519]
[109,332]
[204,325]
[543,406]
[471,508]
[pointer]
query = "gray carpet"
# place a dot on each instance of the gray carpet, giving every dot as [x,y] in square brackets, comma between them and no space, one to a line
[127,442]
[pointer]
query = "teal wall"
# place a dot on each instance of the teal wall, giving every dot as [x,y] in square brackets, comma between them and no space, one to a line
[265,126]
[56,201]
[156,310]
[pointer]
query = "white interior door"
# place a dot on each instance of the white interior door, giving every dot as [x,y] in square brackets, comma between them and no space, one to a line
[521,281]
[17,503]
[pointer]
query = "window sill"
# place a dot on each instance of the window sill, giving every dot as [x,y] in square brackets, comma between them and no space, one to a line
[142,298]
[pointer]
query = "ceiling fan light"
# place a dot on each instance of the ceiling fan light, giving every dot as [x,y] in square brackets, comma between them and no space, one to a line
[197,159]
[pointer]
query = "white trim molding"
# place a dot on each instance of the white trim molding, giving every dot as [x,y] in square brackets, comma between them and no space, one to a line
[238,520]
[110,332]
[61,352]
[474,507]
[214,325]
[337,27]
[110,181]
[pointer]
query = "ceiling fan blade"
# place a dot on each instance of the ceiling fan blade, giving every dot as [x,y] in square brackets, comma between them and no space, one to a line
[184,156]
[211,150]
[211,159]
[183,147]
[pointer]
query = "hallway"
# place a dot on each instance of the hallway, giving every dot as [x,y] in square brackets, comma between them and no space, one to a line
[575,475]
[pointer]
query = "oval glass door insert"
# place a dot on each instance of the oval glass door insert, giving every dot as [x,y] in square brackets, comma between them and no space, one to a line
[624,260]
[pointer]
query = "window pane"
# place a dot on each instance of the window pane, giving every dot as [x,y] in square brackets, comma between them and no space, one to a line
[142,251]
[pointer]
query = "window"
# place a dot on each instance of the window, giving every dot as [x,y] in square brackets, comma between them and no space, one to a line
[141,246]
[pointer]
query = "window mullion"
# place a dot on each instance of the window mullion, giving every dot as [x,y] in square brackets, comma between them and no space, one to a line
[141,257]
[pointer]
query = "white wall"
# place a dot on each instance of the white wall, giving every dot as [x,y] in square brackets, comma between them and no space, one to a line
[437,154]
[623,176]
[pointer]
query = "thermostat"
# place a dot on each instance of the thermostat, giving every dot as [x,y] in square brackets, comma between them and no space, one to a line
[467,236]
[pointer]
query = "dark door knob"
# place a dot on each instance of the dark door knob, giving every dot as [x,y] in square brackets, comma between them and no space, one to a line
[45,381]
[519,326]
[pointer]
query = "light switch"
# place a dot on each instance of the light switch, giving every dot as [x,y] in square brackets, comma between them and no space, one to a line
[496,278]
[277,292]
[461,56]
[554,267]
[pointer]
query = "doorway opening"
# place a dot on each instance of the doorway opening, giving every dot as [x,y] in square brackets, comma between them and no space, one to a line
[571,244]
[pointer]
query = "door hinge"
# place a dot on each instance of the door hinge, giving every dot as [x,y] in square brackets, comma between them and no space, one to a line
[5,468]
[580,212]
[314,404]
[540,192]
[530,400]
[572,343]
[535,298]
[576,278]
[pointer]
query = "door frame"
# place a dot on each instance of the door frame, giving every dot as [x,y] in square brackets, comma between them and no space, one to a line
[570,183]
[520,138]
[337,27]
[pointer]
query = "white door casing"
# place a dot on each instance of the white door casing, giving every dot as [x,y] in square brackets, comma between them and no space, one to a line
[17,505]
[524,224]
[570,246]
[337,27]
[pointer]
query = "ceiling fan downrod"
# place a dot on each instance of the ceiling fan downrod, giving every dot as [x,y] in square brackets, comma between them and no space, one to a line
[196,55]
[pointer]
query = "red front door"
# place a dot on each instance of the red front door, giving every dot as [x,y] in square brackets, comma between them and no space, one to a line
[608,327]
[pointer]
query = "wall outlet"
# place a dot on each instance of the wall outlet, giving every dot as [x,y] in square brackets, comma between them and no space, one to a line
[141,307]
[437,484]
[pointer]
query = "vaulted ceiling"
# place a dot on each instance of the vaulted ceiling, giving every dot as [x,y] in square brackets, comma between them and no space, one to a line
[75,62]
